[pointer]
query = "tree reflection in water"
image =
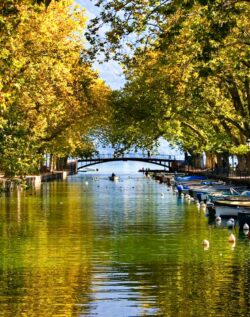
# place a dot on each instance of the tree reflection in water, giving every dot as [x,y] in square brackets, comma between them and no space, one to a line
[116,249]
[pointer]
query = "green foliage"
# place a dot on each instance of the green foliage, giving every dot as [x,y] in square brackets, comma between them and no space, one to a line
[45,2]
[188,76]
[49,95]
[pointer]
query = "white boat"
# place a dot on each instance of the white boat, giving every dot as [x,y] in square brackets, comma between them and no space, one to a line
[217,192]
[233,192]
[198,186]
[230,207]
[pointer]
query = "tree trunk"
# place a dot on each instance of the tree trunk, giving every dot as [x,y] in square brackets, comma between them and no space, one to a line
[61,163]
[223,160]
[222,165]
[197,160]
[210,160]
[241,163]
[52,163]
[248,163]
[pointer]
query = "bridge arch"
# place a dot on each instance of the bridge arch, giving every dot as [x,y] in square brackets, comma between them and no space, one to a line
[166,161]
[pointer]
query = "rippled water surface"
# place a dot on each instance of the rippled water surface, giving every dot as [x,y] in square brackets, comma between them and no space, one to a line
[91,247]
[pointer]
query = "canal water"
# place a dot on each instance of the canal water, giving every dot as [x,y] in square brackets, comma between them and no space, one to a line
[88,246]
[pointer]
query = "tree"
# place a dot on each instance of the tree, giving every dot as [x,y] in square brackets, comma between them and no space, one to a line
[50,94]
[188,76]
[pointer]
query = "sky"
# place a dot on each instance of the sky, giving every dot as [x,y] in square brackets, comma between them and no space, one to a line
[110,71]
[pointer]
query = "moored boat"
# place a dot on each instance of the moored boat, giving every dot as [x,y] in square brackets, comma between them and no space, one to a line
[189,178]
[186,185]
[216,192]
[230,192]
[231,206]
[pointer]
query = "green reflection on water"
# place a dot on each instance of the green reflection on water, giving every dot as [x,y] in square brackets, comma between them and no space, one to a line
[116,249]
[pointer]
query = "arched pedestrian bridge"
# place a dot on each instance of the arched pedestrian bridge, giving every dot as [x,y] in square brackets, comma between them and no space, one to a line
[167,161]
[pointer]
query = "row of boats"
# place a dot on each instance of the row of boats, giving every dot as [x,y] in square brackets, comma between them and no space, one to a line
[222,200]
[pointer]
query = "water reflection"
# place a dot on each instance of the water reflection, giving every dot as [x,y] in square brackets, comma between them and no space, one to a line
[91,247]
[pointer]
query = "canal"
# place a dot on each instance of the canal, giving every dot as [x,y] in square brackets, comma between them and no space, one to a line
[88,246]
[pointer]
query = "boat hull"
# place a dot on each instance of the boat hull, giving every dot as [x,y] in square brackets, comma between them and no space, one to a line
[226,211]
[230,208]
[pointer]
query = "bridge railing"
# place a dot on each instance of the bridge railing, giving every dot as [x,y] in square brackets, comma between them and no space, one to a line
[130,155]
